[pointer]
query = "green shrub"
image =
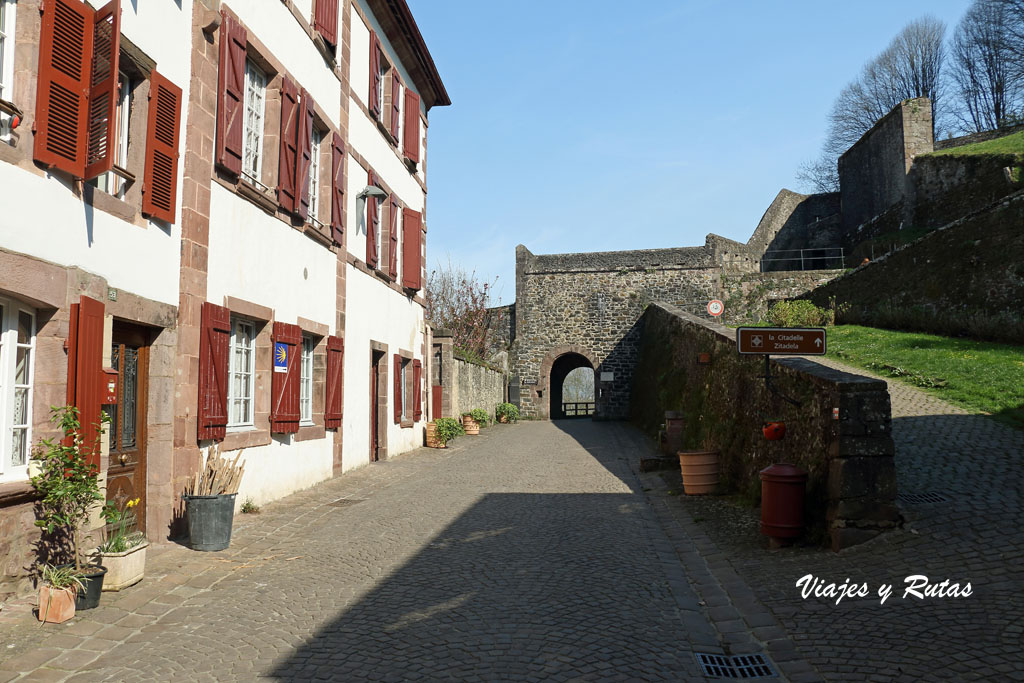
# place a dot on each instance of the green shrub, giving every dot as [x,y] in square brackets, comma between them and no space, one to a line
[507,412]
[448,428]
[480,416]
[800,313]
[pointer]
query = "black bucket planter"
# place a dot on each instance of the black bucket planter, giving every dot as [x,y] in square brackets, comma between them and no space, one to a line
[93,582]
[209,521]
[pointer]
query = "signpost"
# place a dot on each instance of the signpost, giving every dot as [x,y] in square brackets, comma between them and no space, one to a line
[781,341]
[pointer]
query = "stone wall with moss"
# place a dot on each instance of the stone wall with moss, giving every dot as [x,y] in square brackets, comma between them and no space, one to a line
[966,278]
[748,296]
[852,483]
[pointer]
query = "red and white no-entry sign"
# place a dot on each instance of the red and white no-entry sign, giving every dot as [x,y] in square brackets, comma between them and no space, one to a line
[716,307]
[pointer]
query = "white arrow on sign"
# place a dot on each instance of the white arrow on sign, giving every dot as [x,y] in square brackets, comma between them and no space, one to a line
[817,342]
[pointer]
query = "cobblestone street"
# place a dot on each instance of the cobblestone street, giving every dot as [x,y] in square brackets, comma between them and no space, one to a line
[534,552]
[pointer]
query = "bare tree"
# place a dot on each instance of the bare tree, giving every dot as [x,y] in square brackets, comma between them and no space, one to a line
[1014,34]
[909,67]
[578,386]
[457,301]
[983,67]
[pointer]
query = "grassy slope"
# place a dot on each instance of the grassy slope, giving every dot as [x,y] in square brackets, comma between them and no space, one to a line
[1010,144]
[980,376]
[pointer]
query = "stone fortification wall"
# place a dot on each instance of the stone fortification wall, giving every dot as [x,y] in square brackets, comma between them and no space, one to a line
[476,386]
[589,304]
[964,278]
[851,487]
[942,188]
[972,138]
[873,172]
[748,296]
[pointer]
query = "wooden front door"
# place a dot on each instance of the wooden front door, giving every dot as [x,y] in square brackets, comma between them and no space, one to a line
[376,359]
[126,468]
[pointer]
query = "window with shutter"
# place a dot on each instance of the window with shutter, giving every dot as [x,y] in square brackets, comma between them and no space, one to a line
[306,381]
[417,387]
[337,189]
[103,90]
[398,391]
[254,107]
[214,344]
[393,236]
[288,156]
[372,225]
[325,20]
[17,363]
[85,370]
[335,378]
[65,65]
[411,141]
[396,105]
[160,186]
[285,390]
[305,156]
[375,98]
[231,94]
[411,249]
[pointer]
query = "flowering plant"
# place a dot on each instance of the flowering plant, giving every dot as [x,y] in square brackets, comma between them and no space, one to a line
[121,532]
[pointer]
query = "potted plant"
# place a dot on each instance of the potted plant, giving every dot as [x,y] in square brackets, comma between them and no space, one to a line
[123,552]
[506,412]
[442,430]
[57,593]
[69,489]
[474,420]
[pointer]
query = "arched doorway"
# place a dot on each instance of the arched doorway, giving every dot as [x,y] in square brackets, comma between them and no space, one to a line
[560,406]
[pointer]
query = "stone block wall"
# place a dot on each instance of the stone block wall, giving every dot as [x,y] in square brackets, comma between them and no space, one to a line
[851,486]
[873,172]
[476,386]
[942,188]
[589,304]
[747,297]
[952,281]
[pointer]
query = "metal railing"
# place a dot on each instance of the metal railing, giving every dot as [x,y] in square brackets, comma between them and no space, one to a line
[803,259]
[578,409]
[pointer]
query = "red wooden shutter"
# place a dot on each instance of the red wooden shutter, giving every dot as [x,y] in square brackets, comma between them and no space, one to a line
[417,387]
[335,382]
[396,103]
[85,371]
[325,20]
[160,183]
[372,225]
[411,143]
[398,389]
[284,386]
[102,125]
[393,238]
[287,159]
[214,346]
[305,155]
[62,87]
[411,249]
[337,188]
[231,94]
[375,81]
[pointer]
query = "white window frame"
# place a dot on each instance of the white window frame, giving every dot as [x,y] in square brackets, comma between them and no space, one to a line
[253,122]
[8,363]
[381,225]
[406,369]
[316,140]
[110,179]
[245,400]
[306,381]
[383,84]
[400,128]
[8,14]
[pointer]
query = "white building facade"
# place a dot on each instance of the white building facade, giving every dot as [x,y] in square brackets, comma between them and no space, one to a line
[213,229]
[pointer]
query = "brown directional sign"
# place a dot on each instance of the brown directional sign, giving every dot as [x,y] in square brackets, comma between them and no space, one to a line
[781,341]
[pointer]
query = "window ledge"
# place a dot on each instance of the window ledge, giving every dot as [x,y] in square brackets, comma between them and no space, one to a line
[310,432]
[247,438]
[17,493]
[319,232]
[256,196]
[408,424]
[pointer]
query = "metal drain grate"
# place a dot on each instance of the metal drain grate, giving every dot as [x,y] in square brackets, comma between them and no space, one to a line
[919,498]
[344,502]
[737,666]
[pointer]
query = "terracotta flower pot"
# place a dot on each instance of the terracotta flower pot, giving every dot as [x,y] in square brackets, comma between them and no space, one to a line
[700,471]
[471,426]
[56,605]
[503,419]
[774,431]
[124,569]
[432,440]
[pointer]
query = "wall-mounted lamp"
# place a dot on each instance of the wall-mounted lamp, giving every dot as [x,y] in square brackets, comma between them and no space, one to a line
[371,191]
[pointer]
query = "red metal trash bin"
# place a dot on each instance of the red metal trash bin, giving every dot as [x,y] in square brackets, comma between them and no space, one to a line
[782,500]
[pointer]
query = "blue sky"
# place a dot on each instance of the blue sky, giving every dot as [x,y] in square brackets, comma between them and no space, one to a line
[588,125]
